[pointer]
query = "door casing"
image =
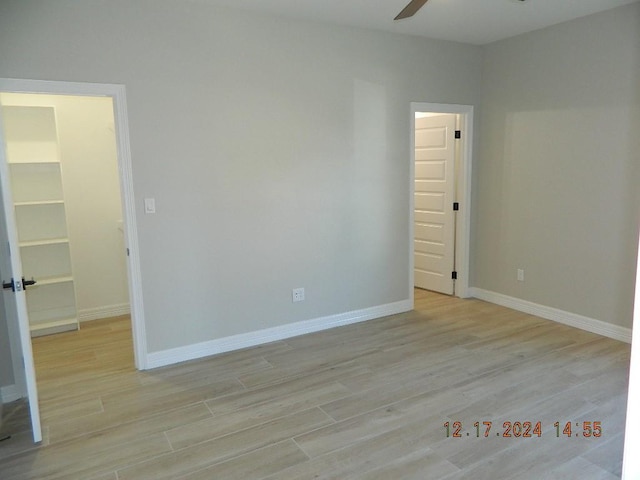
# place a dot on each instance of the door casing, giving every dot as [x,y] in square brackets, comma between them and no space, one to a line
[463,174]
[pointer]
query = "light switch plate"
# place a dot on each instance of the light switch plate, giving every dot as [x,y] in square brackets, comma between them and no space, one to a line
[149,205]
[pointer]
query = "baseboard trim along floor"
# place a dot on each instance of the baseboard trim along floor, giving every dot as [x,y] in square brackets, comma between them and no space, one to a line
[567,318]
[252,339]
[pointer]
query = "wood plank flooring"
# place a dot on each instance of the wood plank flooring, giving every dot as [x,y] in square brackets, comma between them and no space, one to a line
[366,401]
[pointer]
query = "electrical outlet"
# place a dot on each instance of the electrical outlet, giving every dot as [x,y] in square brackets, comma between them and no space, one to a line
[520,275]
[297,295]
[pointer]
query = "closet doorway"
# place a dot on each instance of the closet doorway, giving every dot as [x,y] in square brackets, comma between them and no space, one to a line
[62,157]
[125,231]
[440,200]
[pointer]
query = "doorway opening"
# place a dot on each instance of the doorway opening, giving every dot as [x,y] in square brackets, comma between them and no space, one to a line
[122,230]
[440,200]
[126,226]
[62,155]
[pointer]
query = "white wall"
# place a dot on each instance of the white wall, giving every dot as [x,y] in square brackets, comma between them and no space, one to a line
[92,198]
[277,151]
[557,177]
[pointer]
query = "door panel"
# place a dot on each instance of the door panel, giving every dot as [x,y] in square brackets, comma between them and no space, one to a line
[429,170]
[428,202]
[430,233]
[434,228]
[428,248]
[15,302]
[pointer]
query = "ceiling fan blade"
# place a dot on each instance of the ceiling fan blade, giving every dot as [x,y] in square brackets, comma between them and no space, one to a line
[411,9]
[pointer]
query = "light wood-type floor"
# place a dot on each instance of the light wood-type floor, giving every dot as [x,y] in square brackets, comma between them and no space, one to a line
[366,401]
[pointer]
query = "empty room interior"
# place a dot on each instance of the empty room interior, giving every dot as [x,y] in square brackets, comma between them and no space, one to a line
[287,239]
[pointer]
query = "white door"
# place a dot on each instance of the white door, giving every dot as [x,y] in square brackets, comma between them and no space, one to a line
[434,217]
[14,296]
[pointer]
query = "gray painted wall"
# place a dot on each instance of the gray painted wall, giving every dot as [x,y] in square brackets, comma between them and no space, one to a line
[277,151]
[557,179]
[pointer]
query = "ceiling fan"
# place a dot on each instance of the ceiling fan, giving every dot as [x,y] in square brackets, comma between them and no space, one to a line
[411,9]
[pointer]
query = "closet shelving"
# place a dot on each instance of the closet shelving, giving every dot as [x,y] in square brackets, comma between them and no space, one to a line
[34,162]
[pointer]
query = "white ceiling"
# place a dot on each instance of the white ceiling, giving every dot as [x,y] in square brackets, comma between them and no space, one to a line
[470,21]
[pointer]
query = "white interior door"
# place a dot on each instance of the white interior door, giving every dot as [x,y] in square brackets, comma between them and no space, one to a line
[434,229]
[14,298]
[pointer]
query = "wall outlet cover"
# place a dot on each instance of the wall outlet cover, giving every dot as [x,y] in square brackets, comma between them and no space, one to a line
[297,295]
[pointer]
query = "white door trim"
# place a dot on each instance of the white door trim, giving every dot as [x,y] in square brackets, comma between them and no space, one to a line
[118,95]
[463,218]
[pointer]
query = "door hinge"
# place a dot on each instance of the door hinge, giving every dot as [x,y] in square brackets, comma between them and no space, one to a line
[128,253]
[454,275]
[458,134]
[456,206]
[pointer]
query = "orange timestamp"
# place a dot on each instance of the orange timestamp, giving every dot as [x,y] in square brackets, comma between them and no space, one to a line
[523,429]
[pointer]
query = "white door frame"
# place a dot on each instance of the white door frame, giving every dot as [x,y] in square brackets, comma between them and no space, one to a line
[463,193]
[118,95]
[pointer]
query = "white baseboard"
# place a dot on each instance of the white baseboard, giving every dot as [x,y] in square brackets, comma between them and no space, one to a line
[9,393]
[107,311]
[251,339]
[567,318]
